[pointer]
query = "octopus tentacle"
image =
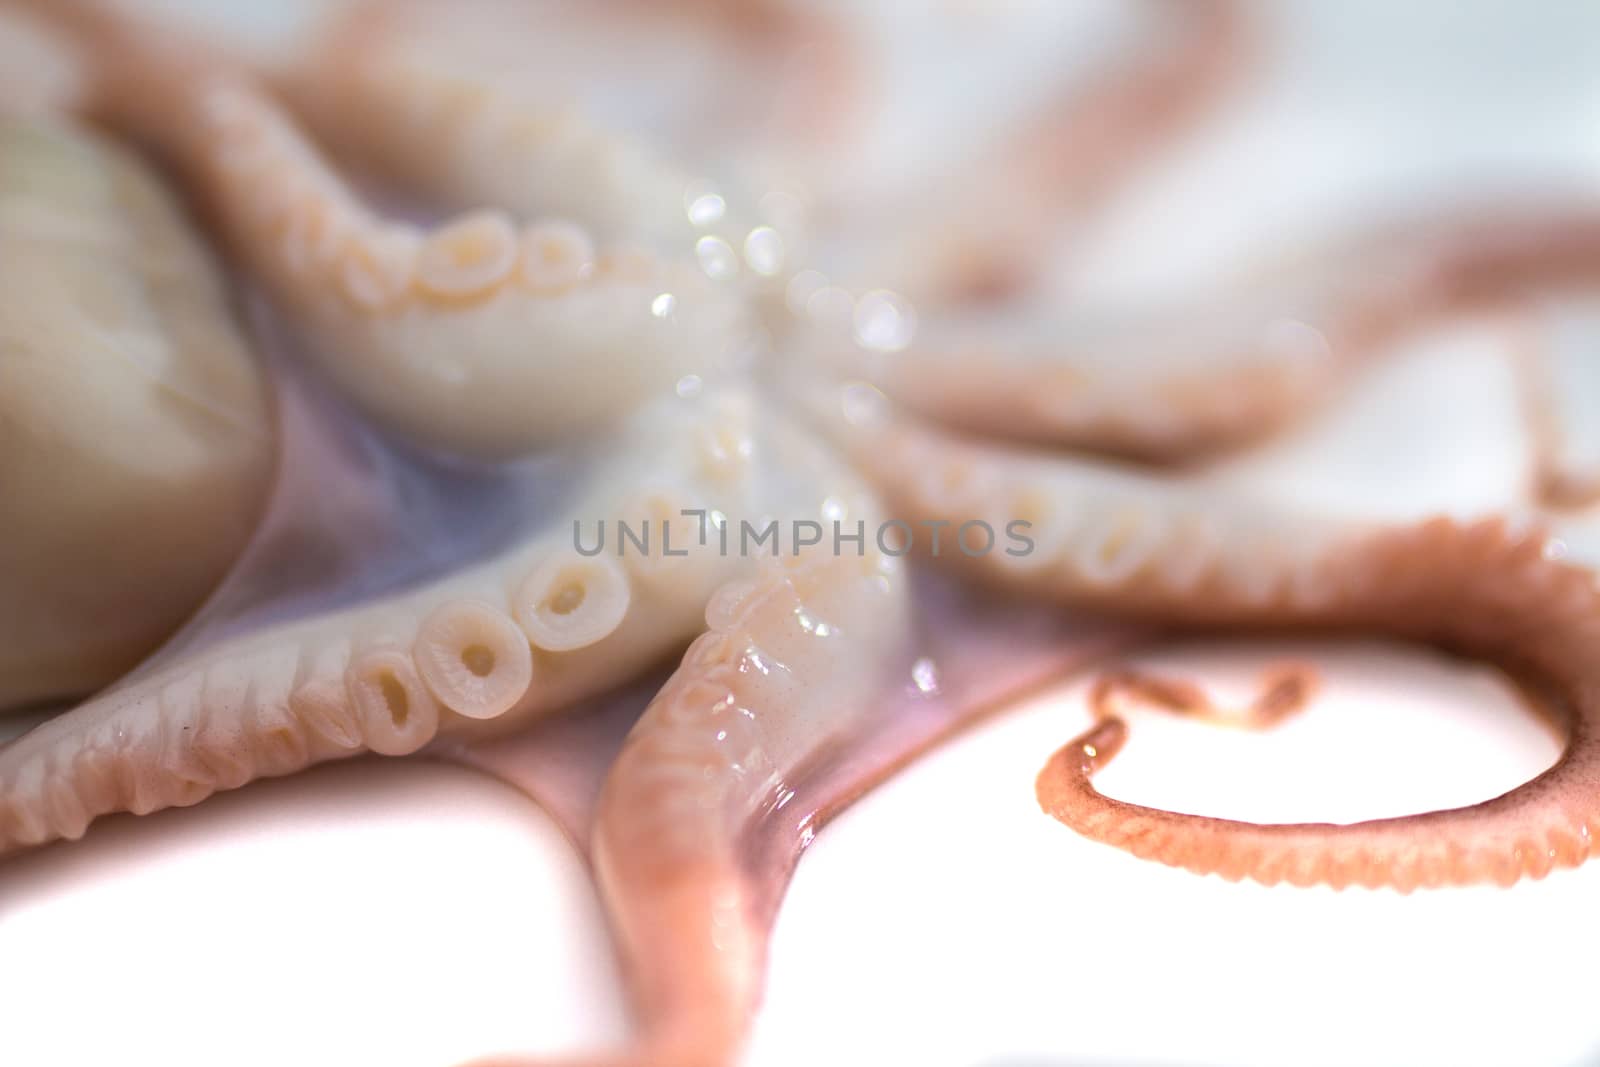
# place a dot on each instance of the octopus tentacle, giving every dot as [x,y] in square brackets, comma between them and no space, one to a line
[764,734]
[383,82]
[39,72]
[1562,397]
[1099,532]
[1191,380]
[792,660]
[531,631]
[991,226]
[768,662]
[1509,603]
[1284,690]
[777,719]
[1484,589]
[472,336]
[378,82]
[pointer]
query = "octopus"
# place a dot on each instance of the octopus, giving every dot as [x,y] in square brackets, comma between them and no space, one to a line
[677,457]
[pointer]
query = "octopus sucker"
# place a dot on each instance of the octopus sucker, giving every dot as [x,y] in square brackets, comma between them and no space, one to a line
[556,255]
[473,659]
[318,698]
[471,257]
[451,357]
[397,713]
[570,602]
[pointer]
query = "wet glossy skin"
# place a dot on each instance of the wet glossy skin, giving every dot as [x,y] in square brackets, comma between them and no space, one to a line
[113,291]
[868,749]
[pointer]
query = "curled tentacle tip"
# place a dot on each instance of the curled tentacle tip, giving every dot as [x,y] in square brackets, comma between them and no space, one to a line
[1080,758]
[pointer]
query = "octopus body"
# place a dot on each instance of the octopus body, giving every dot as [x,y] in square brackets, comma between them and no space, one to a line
[523,407]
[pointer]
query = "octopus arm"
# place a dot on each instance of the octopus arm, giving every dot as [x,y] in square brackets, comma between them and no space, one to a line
[473,336]
[536,628]
[1182,381]
[989,227]
[792,659]
[427,92]
[815,680]
[1146,545]
[415,90]
[1564,400]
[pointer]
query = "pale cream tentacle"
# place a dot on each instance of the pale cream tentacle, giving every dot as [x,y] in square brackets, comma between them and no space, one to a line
[376,85]
[446,335]
[539,627]
[434,94]
[430,95]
